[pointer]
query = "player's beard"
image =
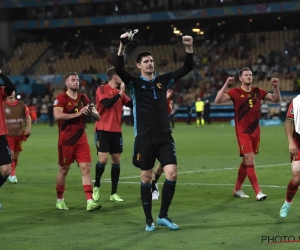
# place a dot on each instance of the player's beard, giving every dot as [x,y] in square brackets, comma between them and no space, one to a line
[74,89]
[150,71]
[248,82]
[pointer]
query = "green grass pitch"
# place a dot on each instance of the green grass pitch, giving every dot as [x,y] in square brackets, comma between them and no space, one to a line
[203,206]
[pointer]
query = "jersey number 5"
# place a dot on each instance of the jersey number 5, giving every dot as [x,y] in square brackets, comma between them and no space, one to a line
[250,103]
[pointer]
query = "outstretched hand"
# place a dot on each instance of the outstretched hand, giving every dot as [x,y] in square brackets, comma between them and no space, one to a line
[169,93]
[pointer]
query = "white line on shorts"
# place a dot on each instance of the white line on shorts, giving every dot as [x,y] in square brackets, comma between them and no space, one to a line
[206,170]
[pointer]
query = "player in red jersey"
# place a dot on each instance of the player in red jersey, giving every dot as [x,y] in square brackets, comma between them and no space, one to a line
[18,120]
[5,156]
[108,136]
[247,101]
[292,130]
[159,170]
[70,109]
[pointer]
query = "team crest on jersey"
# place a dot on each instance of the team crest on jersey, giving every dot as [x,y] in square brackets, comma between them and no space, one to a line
[55,102]
[242,96]
[292,111]
[249,95]
[159,85]
[7,111]
[69,104]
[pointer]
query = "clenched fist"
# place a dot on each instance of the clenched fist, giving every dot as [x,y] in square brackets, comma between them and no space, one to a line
[229,80]
[187,40]
[275,82]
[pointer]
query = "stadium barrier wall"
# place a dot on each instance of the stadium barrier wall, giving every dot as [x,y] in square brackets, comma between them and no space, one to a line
[264,122]
[160,16]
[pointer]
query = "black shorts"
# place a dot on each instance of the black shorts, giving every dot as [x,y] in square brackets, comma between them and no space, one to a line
[109,142]
[5,156]
[148,148]
[199,114]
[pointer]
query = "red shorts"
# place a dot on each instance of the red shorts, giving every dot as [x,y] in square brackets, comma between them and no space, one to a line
[248,143]
[15,143]
[80,152]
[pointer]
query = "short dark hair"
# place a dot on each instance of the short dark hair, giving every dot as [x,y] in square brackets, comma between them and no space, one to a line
[243,69]
[70,74]
[142,54]
[110,73]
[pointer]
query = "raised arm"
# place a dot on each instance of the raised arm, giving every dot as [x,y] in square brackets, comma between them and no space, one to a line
[188,62]
[119,65]
[222,96]
[276,96]
[109,102]
[9,87]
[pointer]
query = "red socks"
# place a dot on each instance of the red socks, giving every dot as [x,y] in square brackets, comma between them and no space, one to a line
[242,174]
[88,189]
[291,191]
[13,169]
[252,178]
[60,189]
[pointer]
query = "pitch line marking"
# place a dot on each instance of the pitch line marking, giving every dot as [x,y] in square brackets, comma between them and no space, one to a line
[202,184]
[207,170]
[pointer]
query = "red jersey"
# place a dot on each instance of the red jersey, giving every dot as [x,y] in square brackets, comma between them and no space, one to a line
[3,128]
[71,130]
[247,109]
[110,119]
[290,115]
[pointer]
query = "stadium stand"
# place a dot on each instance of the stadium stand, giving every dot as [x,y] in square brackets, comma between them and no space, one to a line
[24,56]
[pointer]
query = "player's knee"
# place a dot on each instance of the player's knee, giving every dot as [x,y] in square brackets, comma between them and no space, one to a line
[146,180]
[102,158]
[85,169]
[5,170]
[172,176]
[296,178]
[146,176]
[115,159]
[86,172]
[249,159]
[64,170]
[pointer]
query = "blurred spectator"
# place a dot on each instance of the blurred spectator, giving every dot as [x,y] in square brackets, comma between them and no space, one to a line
[264,111]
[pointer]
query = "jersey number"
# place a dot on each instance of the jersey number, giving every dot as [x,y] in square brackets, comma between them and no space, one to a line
[154,94]
[76,111]
[250,103]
